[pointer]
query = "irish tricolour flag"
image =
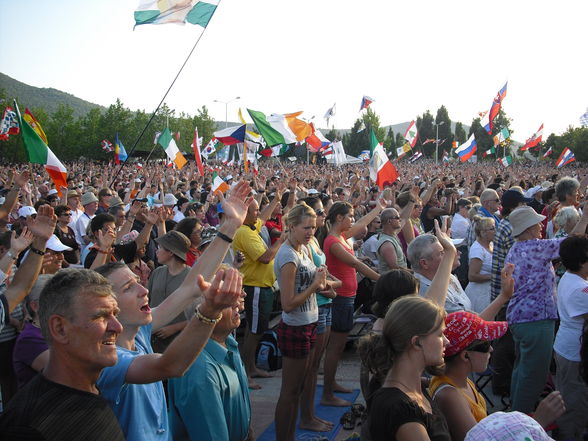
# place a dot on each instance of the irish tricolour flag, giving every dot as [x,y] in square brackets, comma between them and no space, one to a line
[381,169]
[218,184]
[39,153]
[171,149]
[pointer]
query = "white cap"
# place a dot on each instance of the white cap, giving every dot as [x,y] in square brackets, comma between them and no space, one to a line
[457,242]
[169,199]
[26,211]
[52,191]
[312,191]
[54,244]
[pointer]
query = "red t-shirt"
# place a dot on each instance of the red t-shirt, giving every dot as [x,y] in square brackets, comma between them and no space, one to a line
[340,270]
[276,224]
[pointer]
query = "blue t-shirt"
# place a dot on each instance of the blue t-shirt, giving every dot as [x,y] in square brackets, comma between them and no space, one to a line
[140,408]
[211,401]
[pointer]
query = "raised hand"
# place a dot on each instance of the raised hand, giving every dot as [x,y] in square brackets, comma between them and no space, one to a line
[507,281]
[442,235]
[236,204]
[320,279]
[44,224]
[105,240]
[225,291]
[21,179]
[20,243]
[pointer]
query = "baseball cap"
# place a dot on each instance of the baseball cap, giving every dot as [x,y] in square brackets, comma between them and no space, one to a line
[26,211]
[207,235]
[312,191]
[169,200]
[512,198]
[462,328]
[54,244]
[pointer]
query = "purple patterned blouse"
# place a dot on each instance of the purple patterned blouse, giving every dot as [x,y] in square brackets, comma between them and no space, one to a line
[534,297]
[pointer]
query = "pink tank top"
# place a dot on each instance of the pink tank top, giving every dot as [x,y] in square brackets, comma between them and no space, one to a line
[340,270]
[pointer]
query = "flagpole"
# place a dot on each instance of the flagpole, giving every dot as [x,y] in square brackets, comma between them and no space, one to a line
[157,108]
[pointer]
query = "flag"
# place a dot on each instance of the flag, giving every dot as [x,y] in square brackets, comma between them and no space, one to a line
[566,157]
[328,151]
[467,149]
[416,156]
[106,146]
[211,148]
[411,134]
[168,143]
[584,119]
[330,113]
[534,140]
[39,153]
[428,140]
[300,128]
[156,137]
[382,171]
[177,136]
[196,146]
[120,154]
[445,156]
[274,130]
[28,116]
[9,124]
[365,102]
[401,151]
[548,152]
[231,135]
[490,151]
[364,155]
[502,136]
[316,140]
[218,184]
[175,11]
[496,104]
[339,155]
[506,161]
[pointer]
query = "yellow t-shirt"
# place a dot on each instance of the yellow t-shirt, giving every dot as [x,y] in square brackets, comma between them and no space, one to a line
[250,243]
[477,407]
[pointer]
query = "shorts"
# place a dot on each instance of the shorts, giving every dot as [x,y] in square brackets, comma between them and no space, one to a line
[296,341]
[258,307]
[342,314]
[324,319]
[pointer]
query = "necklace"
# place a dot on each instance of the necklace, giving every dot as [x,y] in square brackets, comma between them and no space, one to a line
[402,384]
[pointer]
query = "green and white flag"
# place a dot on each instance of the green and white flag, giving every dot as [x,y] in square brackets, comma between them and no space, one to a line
[506,161]
[175,11]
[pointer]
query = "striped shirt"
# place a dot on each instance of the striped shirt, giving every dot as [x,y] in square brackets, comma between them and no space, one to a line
[503,240]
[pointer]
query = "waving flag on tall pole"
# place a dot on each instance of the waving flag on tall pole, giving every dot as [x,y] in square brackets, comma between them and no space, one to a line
[365,102]
[196,146]
[175,11]
[231,135]
[28,116]
[172,151]
[120,154]
[467,149]
[497,104]
[411,134]
[565,158]
[534,140]
[382,171]
[39,152]
[274,129]
[548,152]
[330,113]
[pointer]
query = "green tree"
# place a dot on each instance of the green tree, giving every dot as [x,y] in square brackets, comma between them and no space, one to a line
[426,130]
[332,135]
[460,134]
[390,141]
[445,134]
[357,140]
[399,140]
[574,138]
[482,138]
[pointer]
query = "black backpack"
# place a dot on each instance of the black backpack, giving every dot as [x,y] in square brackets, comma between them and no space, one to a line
[268,355]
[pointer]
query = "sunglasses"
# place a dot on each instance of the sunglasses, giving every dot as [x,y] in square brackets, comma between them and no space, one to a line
[483,346]
[320,212]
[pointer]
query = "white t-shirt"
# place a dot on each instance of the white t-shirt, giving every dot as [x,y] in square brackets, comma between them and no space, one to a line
[477,251]
[456,300]
[572,303]
[370,249]
[459,227]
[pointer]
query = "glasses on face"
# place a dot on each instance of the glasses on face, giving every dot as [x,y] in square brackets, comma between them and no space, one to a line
[483,346]
[66,214]
[395,218]
[320,212]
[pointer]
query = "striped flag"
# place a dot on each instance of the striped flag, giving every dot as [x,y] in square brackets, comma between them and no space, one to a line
[416,156]
[365,102]
[467,149]
[548,152]
[218,184]
[9,124]
[565,158]
[196,146]
[506,161]
[534,140]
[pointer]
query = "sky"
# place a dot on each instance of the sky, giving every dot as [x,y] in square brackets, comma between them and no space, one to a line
[282,57]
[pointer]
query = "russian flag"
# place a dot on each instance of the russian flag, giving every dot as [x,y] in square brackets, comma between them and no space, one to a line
[231,135]
[496,104]
[467,149]
[317,141]
[565,158]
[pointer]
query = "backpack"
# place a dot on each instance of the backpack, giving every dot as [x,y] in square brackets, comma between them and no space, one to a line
[268,355]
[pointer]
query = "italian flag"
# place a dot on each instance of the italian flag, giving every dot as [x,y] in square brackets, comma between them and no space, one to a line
[506,161]
[171,149]
[275,129]
[382,171]
[218,185]
[38,151]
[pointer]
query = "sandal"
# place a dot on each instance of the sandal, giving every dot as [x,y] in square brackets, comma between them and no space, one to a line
[348,420]
[358,410]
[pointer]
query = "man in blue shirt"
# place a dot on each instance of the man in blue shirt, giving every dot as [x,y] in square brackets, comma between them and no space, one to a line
[211,401]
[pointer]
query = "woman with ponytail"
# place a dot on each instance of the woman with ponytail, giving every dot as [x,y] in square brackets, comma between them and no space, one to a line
[412,340]
[343,265]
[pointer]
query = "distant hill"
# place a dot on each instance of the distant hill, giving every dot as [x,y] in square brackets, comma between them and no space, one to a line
[46,98]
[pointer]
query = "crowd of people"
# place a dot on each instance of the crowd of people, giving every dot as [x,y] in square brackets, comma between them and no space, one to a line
[121,295]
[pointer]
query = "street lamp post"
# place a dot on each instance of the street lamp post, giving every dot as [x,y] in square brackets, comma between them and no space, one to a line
[226,103]
[437,141]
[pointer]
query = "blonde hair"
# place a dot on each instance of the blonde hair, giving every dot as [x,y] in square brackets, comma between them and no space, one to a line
[481,223]
[297,214]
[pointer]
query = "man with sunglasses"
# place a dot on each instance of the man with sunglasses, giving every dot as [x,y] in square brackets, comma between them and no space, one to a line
[389,249]
[490,204]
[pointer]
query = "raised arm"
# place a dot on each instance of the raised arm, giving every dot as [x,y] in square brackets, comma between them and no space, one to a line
[362,223]
[437,292]
[20,180]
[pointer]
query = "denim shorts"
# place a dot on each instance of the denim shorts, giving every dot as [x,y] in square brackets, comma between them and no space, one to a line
[325,318]
[342,314]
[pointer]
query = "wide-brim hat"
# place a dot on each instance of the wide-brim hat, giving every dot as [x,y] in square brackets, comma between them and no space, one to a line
[88,197]
[522,218]
[115,201]
[175,242]
[462,328]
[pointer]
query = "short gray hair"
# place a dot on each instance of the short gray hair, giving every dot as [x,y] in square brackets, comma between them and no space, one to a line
[59,294]
[420,248]
[488,194]
[564,215]
[566,186]
[387,214]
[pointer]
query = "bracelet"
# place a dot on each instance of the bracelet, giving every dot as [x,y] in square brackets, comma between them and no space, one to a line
[12,256]
[207,320]
[36,251]
[15,187]
[224,237]
[102,251]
